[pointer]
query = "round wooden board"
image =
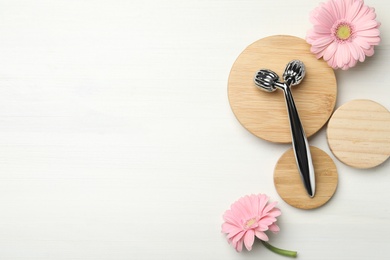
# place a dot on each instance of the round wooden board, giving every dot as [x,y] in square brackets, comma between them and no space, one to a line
[359,134]
[264,114]
[290,187]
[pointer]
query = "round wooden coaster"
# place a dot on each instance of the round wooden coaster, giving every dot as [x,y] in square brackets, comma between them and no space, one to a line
[359,133]
[264,114]
[290,187]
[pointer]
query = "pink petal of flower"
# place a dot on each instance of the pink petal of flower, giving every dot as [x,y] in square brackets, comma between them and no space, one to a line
[352,63]
[249,238]
[262,227]
[239,245]
[339,57]
[254,199]
[247,203]
[246,206]
[239,210]
[369,52]
[346,54]
[263,201]
[369,33]
[372,24]
[341,8]
[267,220]
[373,40]
[261,235]
[274,228]
[321,29]
[269,207]
[330,51]
[353,50]
[230,217]
[323,41]
[325,15]
[335,9]
[360,41]
[234,233]
[332,62]
[362,56]
[364,14]
[354,10]
[274,213]
[238,237]
[228,228]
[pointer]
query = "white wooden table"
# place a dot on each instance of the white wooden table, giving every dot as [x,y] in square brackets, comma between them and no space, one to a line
[117,140]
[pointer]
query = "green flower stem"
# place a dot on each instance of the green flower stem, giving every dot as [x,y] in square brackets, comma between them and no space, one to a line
[279,251]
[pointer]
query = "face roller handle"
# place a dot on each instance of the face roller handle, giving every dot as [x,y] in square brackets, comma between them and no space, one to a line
[293,75]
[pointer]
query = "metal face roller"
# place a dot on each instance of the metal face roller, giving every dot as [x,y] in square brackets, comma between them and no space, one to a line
[293,74]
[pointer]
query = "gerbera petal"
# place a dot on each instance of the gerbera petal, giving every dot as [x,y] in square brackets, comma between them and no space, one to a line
[332,62]
[352,49]
[360,41]
[326,16]
[321,29]
[239,245]
[318,51]
[364,14]
[246,203]
[339,57]
[354,10]
[240,210]
[362,56]
[369,52]
[263,201]
[230,217]
[346,53]
[254,204]
[274,213]
[330,50]
[249,238]
[372,24]
[335,9]
[373,40]
[269,207]
[369,33]
[341,8]
[229,228]
[352,63]
[262,227]
[267,220]
[238,237]
[274,228]
[261,235]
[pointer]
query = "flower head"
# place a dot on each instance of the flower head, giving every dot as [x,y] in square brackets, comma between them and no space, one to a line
[248,217]
[344,31]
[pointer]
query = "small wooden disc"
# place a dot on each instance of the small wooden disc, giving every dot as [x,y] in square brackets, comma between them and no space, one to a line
[359,134]
[264,114]
[289,185]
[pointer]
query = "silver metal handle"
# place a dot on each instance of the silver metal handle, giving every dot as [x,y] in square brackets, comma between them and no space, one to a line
[299,141]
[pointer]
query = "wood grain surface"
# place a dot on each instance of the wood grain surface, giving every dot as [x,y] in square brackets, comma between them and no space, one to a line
[290,187]
[359,133]
[264,114]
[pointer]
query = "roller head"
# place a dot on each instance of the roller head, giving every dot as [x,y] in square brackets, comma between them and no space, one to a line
[266,79]
[294,72]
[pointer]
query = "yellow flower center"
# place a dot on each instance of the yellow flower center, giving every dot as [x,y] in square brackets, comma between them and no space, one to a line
[250,222]
[343,32]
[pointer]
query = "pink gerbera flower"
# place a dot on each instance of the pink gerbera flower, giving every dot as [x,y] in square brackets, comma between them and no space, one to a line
[344,31]
[248,217]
